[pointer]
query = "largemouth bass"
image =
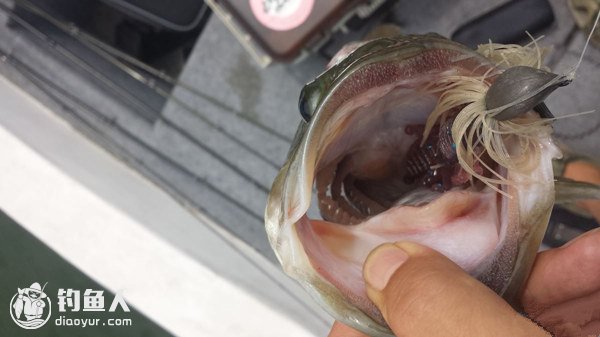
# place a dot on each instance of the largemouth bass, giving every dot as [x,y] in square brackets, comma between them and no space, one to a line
[399,145]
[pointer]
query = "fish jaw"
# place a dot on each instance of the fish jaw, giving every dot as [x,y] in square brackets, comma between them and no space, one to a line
[534,199]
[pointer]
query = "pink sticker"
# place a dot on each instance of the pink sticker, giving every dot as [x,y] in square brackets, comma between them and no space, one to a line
[281,14]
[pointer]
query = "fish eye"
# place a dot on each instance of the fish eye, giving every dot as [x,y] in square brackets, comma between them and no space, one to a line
[309,99]
[304,107]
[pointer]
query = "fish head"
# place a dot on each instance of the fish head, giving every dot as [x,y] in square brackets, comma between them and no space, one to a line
[363,158]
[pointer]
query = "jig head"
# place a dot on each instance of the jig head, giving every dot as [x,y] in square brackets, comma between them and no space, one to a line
[520,89]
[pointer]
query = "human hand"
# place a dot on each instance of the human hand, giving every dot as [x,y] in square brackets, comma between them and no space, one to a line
[420,292]
[563,289]
[428,295]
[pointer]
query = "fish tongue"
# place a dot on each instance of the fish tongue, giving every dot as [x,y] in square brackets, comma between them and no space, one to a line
[464,226]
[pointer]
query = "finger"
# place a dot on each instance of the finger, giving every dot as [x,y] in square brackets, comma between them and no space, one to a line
[341,330]
[420,292]
[564,273]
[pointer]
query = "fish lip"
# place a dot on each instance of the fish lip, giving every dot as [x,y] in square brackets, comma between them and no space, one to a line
[312,94]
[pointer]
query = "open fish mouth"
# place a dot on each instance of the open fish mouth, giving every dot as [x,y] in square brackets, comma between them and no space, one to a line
[386,169]
[375,183]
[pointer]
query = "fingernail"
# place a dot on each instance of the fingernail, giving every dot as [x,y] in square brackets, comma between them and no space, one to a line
[381,265]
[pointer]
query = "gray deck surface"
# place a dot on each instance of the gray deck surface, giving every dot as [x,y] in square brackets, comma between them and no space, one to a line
[219,151]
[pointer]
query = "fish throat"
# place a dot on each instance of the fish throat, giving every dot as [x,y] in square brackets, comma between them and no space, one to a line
[381,171]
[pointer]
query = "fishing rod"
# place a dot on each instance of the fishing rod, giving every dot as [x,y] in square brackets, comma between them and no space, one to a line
[68,55]
[112,55]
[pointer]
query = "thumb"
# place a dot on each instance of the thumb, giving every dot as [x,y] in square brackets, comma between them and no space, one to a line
[420,292]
